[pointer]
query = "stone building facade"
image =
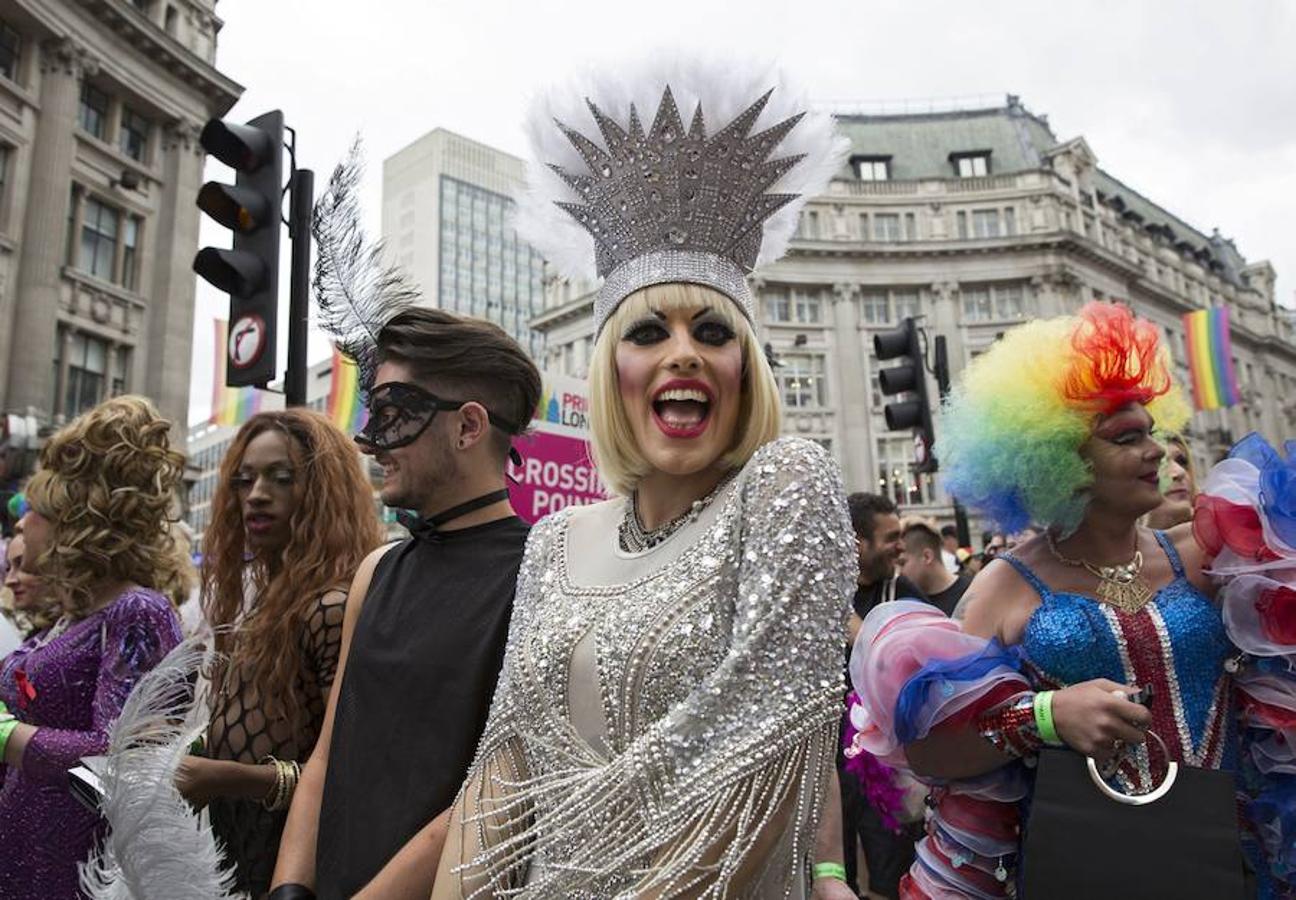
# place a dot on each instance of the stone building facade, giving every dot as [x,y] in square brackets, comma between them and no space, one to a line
[976,221]
[101,105]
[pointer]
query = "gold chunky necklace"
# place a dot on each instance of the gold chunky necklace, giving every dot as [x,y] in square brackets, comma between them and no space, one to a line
[1120,586]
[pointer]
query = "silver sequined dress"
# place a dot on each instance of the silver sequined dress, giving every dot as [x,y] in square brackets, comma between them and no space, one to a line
[665,721]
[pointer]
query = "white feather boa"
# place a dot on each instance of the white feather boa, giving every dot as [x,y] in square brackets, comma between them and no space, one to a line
[157,845]
[724,88]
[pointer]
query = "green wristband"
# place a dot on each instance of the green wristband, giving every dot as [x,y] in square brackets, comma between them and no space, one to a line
[1044,718]
[6,728]
[830,870]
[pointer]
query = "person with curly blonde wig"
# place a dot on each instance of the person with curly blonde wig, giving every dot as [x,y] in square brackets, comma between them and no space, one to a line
[293,518]
[97,533]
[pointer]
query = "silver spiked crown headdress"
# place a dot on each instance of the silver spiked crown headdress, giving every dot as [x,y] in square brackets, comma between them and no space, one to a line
[672,203]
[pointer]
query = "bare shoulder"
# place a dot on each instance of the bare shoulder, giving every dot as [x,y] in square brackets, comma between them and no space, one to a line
[999,603]
[1190,553]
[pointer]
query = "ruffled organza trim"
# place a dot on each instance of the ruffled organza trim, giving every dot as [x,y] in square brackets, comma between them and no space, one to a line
[1245,521]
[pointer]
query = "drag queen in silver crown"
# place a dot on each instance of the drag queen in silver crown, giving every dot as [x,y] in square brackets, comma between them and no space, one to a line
[666,719]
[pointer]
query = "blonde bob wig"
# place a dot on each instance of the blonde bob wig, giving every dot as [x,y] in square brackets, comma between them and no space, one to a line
[616,454]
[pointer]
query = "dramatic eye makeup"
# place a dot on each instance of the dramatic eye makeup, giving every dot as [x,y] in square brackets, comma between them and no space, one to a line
[1125,427]
[645,331]
[708,327]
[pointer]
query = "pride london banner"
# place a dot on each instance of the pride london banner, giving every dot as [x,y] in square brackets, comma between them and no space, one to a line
[344,407]
[1210,358]
[230,405]
[556,468]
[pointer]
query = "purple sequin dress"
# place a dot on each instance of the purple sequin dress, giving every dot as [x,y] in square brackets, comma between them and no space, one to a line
[71,689]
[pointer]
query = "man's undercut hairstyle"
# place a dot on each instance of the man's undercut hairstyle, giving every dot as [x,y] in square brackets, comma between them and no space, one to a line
[465,359]
[864,508]
[922,536]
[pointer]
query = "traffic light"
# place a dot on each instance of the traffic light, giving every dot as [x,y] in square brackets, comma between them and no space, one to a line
[251,208]
[907,378]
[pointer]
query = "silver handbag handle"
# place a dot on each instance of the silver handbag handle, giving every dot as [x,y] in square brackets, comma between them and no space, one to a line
[1152,796]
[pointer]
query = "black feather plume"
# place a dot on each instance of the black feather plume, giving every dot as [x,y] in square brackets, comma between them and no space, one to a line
[356,292]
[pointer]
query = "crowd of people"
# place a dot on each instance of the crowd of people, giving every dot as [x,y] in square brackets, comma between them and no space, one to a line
[731,679]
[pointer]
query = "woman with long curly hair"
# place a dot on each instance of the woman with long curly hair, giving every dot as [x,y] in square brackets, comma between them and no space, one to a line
[97,533]
[293,517]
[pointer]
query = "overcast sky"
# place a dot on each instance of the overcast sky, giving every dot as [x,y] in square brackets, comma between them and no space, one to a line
[1191,103]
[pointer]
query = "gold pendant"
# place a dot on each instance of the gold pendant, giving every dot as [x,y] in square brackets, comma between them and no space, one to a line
[1126,595]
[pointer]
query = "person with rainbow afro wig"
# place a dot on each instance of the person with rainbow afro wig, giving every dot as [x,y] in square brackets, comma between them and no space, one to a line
[1059,425]
[1013,428]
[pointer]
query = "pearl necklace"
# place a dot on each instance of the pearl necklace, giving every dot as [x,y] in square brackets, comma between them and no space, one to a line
[634,538]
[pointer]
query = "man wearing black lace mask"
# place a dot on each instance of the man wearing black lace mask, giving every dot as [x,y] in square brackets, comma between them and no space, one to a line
[426,620]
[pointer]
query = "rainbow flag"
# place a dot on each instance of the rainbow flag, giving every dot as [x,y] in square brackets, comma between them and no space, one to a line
[230,405]
[1210,358]
[344,407]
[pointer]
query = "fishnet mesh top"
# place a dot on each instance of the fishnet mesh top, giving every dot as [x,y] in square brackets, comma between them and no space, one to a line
[240,730]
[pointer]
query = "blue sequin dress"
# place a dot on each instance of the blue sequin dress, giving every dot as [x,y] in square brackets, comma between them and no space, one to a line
[1176,644]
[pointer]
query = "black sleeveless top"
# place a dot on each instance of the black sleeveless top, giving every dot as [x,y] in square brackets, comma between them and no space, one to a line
[420,673]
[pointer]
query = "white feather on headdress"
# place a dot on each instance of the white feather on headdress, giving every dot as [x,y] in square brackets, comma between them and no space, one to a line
[157,846]
[723,90]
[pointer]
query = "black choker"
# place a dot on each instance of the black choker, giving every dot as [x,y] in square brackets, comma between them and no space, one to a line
[429,529]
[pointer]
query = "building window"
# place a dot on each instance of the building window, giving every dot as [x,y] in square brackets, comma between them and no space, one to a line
[778,306]
[806,308]
[882,306]
[961,217]
[991,302]
[93,114]
[896,478]
[1010,221]
[801,380]
[864,226]
[971,165]
[873,168]
[985,223]
[10,51]
[171,20]
[875,307]
[794,305]
[134,135]
[98,239]
[94,371]
[886,226]
[907,303]
[1009,301]
[6,156]
[911,227]
[130,253]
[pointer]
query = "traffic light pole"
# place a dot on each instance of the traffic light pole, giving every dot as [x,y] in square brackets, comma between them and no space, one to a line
[299,230]
[943,386]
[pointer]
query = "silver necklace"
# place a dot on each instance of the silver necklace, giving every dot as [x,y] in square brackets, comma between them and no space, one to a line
[634,538]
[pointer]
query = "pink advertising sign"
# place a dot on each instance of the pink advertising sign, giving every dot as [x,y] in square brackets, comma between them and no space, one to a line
[556,469]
